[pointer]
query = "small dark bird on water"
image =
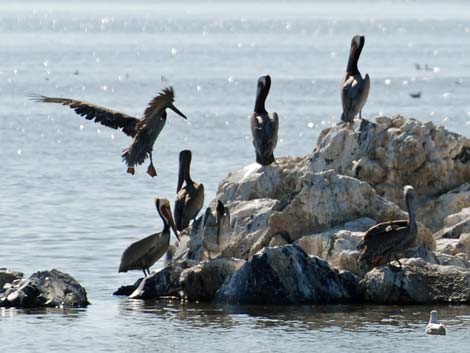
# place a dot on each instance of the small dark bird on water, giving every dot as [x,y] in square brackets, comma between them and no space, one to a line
[354,88]
[190,198]
[415,94]
[264,125]
[390,239]
[144,130]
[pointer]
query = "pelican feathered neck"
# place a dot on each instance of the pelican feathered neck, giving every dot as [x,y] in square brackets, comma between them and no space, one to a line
[184,174]
[264,84]
[354,54]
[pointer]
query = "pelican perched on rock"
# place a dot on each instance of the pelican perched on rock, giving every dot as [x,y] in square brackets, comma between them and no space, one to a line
[434,327]
[142,254]
[354,88]
[216,230]
[144,130]
[190,198]
[264,125]
[389,239]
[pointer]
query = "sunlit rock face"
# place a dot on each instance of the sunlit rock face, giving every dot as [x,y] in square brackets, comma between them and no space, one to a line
[320,206]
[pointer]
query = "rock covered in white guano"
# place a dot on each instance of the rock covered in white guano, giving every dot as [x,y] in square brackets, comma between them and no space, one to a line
[444,210]
[201,282]
[418,282]
[45,289]
[262,182]
[8,277]
[456,225]
[287,275]
[391,153]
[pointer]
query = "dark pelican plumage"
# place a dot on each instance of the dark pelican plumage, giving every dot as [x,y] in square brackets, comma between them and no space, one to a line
[264,125]
[389,239]
[190,198]
[354,88]
[216,231]
[144,130]
[142,254]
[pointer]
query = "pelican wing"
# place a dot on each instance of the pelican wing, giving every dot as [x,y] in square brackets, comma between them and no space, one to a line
[179,208]
[134,257]
[264,130]
[104,116]
[355,91]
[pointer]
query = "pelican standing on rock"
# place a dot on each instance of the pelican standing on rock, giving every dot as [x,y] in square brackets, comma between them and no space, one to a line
[354,88]
[216,230]
[264,125]
[388,239]
[434,327]
[142,254]
[144,130]
[190,198]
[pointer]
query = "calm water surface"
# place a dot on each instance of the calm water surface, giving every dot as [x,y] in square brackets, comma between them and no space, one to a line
[66,201]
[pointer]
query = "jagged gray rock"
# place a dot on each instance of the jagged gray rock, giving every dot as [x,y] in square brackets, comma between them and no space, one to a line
[7,277]
[45,289]
[418,283]
[287,275]
[201,282]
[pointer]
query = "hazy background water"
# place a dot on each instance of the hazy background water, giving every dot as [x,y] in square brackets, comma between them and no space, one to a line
[66,201]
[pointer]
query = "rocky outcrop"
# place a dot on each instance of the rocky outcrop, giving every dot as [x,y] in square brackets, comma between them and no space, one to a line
[287,275]
[321,205]
[45,289]
[419,282]
[201,282]
[392,152]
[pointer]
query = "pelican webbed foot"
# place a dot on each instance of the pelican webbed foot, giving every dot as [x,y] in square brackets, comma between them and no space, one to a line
[151,170]
[131,170]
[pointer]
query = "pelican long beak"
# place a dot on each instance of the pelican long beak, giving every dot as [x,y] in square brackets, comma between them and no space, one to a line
[167,213]
[172,107]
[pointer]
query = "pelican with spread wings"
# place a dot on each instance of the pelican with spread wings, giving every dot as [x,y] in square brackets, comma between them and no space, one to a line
[144,131]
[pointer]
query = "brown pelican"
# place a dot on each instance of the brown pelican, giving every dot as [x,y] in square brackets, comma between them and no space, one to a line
[388,239]
[216,231]
[264,125]
[189,200]
[354,88]
[142,254]
[144,130]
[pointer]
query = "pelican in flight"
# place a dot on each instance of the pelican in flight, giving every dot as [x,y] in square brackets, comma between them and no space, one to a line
[216,230]
[190,198]
[434,327]
[144,131]
[354,88]
[388,239]
[264,125]
[142,254]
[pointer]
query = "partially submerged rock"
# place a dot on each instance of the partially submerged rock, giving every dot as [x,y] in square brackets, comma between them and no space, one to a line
[323,204]
[45,289]
[201,282]
[287,275]
[419,282]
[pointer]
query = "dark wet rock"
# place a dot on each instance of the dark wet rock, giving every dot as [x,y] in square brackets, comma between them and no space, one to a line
[128,289]
[7,276]
[45,289]
[287,275]
[419,282]
[201,282]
